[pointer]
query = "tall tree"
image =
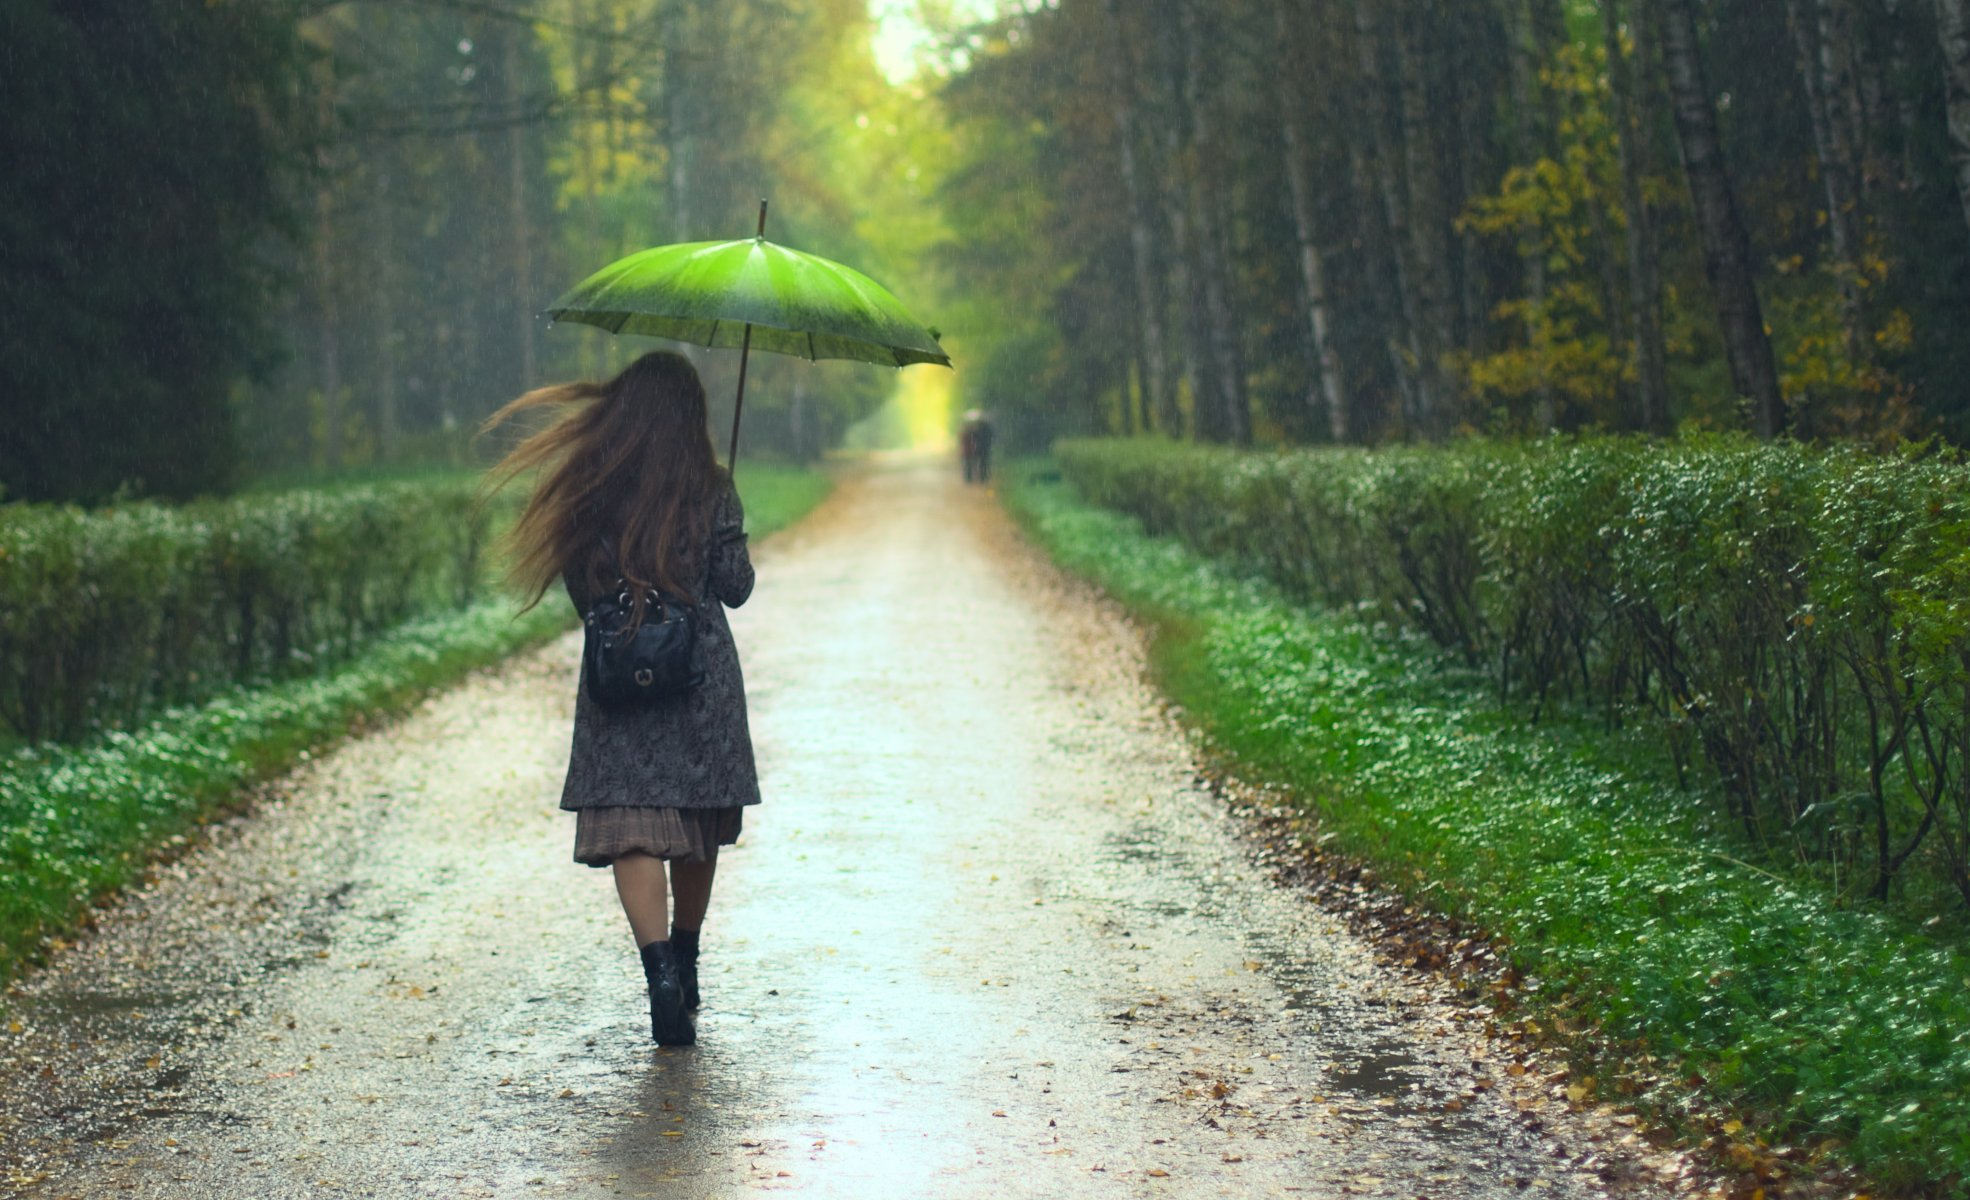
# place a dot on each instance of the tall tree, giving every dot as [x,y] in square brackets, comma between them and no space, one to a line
[1644,269]
[1211,226]
[1418,58]
[1720,225]
[1328,377]
[1382,150]
[1148,305]
[156,155]
[1817,31]
[1953,32]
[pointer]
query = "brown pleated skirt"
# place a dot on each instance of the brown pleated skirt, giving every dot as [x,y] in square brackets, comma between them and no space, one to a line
[603,835]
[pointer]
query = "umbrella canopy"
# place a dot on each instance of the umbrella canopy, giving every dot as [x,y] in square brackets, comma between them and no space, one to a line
[714,293]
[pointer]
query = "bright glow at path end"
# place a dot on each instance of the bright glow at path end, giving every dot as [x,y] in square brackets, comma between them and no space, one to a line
[900,34]
[924,394]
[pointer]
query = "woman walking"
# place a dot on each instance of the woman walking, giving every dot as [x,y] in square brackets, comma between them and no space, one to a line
[630,500]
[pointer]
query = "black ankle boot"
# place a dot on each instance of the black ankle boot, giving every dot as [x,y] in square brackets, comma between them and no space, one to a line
[670,1024]
[684,946]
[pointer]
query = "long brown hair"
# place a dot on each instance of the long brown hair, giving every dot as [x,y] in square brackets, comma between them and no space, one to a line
[629,460]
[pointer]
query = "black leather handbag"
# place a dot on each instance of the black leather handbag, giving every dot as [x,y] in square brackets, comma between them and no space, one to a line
[648,665]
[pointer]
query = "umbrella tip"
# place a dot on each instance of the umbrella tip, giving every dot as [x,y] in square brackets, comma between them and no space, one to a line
[762,216]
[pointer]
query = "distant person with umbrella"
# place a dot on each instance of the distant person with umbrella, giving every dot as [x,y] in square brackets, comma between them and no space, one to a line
[975,442]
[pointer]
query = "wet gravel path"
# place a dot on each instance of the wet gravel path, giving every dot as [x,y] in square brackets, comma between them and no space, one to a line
[984,938]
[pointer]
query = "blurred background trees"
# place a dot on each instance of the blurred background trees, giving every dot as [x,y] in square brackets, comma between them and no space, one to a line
[1354,220]
[312,235]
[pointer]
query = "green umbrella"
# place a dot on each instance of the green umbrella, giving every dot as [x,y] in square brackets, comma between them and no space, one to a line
[751,293]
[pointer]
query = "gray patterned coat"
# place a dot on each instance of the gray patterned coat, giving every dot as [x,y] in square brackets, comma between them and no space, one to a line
[695,752]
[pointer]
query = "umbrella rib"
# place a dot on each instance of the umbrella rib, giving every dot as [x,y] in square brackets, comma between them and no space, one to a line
[811,356]
[714,334]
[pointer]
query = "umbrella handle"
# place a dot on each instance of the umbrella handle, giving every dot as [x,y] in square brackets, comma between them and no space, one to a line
[745,352]
[738,406]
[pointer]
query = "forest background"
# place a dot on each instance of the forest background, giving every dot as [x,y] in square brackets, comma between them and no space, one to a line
[312,234]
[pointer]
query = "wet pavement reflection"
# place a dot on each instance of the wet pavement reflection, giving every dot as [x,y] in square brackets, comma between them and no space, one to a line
[984,938]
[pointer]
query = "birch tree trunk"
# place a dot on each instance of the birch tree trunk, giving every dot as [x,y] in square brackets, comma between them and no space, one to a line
[328,344]
[1644,272]
[1726,244]
[1826,115]
[383,306]
[1142,246]
[1329,380]
[1953,31]
[1537,125]
[1429,220]
[1418,395]
[1906,116]
[679,130]
[585,74]
[328,339]
[521,231]
[1200,374]
[1210,233]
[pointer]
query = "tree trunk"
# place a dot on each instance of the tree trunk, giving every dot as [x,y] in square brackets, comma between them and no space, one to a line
[383,304]
[1200,375]
[1537,125]
[1826,117]
[521,230]
[328,345]
[1329,380]
[1142,246]
[591,213]
[1429,217]
[679,130]
[328,340]
[1906,115]
[1953,31]
[1209,234]
[1199,381]
[1418,395]
[1644,272]
[1726,244]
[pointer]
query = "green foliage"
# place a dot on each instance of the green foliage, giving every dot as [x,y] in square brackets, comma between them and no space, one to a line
[147,144]
[107,616]
[1795,616]
[1611,884]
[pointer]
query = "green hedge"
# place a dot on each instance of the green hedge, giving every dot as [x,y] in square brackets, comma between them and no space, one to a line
[109,616]
[1797,620]
[1721,988]
[79,820]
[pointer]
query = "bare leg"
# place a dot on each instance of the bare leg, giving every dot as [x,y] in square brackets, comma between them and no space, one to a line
[640,884]
[691,882]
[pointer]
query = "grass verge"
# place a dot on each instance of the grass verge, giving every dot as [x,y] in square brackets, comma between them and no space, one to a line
[78,822]
[1843,1032]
